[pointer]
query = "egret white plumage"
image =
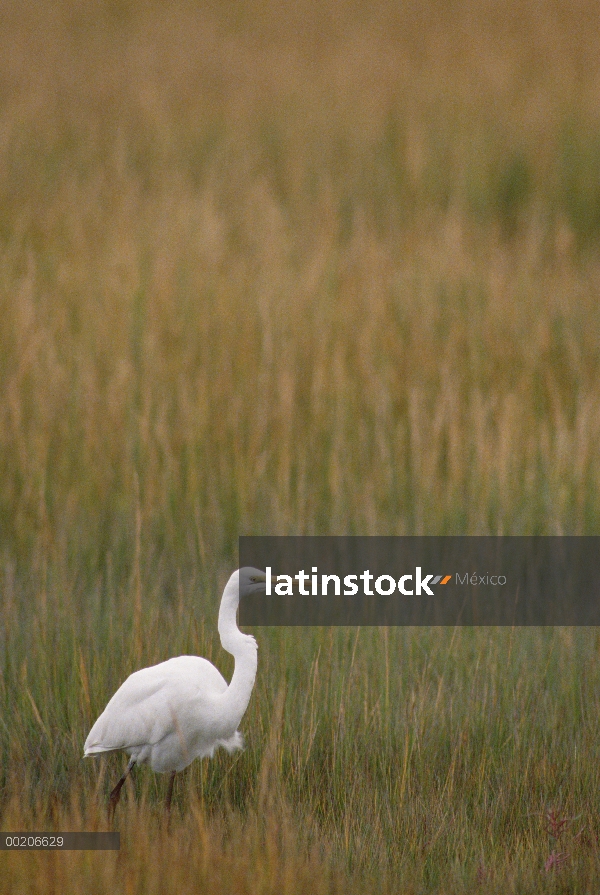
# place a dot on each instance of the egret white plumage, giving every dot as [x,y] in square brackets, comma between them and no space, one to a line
[169,714]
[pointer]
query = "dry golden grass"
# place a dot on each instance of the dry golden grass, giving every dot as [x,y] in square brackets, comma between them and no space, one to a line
[330,268]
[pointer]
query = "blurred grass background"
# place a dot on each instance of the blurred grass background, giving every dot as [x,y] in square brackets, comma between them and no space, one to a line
[325,268]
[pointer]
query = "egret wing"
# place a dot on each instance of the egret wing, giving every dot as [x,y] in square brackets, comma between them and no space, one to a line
[152,701]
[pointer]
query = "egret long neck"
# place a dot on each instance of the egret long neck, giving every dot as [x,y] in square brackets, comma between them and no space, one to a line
[243,648]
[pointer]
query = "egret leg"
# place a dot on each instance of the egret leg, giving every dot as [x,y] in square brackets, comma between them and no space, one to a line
[116,793]
[170,792]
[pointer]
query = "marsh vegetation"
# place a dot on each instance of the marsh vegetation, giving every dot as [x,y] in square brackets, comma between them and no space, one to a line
[315,268]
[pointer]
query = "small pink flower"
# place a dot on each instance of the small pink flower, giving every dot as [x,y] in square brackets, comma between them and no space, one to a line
[555,860]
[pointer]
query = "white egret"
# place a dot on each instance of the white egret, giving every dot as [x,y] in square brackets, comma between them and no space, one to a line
[169,714]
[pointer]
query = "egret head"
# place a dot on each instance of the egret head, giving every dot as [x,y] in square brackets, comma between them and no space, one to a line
[251,581]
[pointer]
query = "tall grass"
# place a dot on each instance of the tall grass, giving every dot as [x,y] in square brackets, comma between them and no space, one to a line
[324,269]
